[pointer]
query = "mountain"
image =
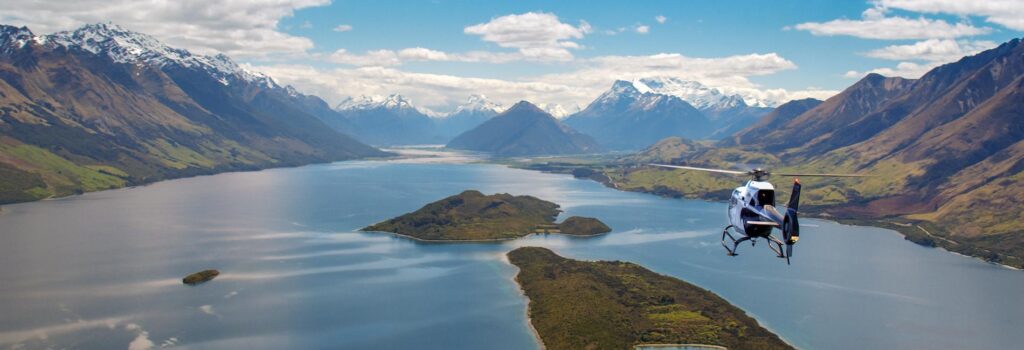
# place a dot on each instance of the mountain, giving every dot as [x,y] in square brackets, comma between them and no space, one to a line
[558,110]
[524,130]
[780,115]
[626,118]
[384,120]
[103,107]
[947,149]
[635,114]
[477,110]
[699,95]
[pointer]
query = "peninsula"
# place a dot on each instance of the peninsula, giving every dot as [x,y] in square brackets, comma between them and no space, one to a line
[618,305]
[473,216]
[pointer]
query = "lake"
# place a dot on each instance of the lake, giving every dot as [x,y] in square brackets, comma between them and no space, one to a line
[103,270]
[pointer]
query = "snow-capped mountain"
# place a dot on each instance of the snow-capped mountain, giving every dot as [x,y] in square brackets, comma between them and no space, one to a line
[478,103]
[697,94]
[363,102]
[124,46]
[558,110]
[14,38]
[107,97]
[625,118]
[475,111]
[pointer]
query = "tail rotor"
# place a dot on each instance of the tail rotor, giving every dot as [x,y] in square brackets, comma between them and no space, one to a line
[791,224]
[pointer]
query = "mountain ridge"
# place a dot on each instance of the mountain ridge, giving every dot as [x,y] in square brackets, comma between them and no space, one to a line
[79,118]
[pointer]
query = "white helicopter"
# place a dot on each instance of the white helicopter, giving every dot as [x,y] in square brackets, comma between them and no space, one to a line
[752,211]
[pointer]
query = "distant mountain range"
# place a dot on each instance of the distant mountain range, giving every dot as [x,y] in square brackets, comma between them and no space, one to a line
[393,120]
[102,107]
[524,130]
[636,114]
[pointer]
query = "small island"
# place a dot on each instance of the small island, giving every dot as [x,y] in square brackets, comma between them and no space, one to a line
[619,305]
[473,216]
[200,277]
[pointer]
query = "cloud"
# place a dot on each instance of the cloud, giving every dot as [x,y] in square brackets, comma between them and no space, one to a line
[642,29]
[909,70]
[141,341]
[537,35]
[920,57]
[933,50]
[661,19]
[370,58]
[343,28]
[1008,13]
[237,28]
[388,58]
[874,24]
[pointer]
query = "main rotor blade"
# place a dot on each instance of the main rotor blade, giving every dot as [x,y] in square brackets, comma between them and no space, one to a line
[734,172]
[823,175]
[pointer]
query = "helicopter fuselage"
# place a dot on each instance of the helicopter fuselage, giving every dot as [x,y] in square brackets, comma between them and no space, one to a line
[745,205]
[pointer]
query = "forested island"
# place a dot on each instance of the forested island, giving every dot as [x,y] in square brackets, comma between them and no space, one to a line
[618,305]
[473,216]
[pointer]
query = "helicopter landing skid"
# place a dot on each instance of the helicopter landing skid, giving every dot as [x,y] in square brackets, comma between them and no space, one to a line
[735,242]
[773,243]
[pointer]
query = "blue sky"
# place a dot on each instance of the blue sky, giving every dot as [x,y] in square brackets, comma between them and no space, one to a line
[565,53]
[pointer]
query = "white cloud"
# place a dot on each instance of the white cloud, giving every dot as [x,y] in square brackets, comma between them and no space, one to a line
[933,50]
[537,35]
[1009,13]
[370,58]
[388,58]
[920,57]
[661,19]
[141,341]
[909,70]
[874,24]
[237,28]
[343,28]
[642,29]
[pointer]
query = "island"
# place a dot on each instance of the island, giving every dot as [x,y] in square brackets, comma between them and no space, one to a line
[200,277]
[474,216]
[619,305]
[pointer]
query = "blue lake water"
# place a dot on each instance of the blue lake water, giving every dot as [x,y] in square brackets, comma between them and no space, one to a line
[103,270]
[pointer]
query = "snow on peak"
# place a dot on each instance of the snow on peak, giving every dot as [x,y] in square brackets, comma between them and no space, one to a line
[393,101]
[559,111]
[125,46]
[13,38]
[478,103]
[697,94]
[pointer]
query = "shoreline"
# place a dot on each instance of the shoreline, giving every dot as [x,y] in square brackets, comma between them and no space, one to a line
[526,310]
[877,223]
[198,175]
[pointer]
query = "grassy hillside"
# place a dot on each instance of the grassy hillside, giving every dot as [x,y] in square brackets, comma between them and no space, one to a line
[616,305]
[74,120]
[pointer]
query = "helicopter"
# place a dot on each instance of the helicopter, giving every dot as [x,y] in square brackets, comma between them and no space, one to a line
[752,212]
